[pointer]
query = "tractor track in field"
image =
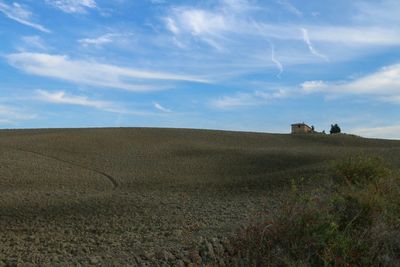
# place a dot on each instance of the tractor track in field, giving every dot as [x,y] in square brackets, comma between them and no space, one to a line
[111,179]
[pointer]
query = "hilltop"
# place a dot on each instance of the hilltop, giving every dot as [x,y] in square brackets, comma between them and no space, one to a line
[108,195]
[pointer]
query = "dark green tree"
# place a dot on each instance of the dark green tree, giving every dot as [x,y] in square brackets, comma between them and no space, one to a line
[335,129]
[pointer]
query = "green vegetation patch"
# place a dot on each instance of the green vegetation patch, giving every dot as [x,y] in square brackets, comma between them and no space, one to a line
[353,222]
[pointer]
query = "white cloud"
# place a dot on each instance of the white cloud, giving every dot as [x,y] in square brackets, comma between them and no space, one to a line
[388,132]
[383,86]
[313,51]
[208,26]
[290,7]
[238,6]
[349,37]
[238,34]
[276,62]
[161,108]
[73,6]
[198,21]
[119,39]
[60,97]
[312,86]
[224,18]
[157,2]
[381,12]
[171,25]
[224,21]
[232,33]
[384,83]
[34,41]
[98,41]
[11,115]
[255,98]
[21,14]
[357,36]
[92,73]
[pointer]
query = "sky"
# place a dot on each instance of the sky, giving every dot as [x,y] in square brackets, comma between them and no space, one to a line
[245,65]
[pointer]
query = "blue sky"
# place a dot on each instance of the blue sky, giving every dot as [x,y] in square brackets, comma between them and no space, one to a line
[247,65]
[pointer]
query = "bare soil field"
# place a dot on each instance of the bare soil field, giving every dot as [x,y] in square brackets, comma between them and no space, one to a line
[146,196]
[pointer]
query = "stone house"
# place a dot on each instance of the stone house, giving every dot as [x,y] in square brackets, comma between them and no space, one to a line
[301,128]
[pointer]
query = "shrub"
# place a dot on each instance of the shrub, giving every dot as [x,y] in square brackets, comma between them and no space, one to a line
[335,129]
[360,170]
[355,223]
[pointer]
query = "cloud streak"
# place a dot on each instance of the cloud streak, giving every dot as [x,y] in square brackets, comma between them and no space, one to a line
[92,73]
[255,98]
[198,24]
[159,107]
[21,14]
[290,7]
[105,39]
[98,41]
[313,51]
[60,97]
[11,115]
[275,61]
[73,6]
[34,42]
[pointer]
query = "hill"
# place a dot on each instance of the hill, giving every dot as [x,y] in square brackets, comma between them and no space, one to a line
[102,196]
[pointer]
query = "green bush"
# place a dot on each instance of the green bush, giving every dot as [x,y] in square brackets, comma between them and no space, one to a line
[354,223]
[360,170]
[335,129]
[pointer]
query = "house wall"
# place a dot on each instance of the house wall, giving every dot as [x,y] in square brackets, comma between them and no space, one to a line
[300,129]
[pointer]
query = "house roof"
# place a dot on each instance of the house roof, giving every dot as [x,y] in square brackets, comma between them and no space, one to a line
[300,124]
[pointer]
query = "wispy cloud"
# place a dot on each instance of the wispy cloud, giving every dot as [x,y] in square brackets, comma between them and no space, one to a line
[171,25]
[73,6]
[290,7]
[356,37]
[384,12]
[383,84]
[21,14]
[216,23]
[161,108]
[117,38]
[207,26]
[157,2]
[192,30]
[92,73]
[313,51]
[223,21]
[276,62]
[33,42]
[98,41]
[61,97]
[199,21]
[387,132]
[255,98]
[237,6]
[12,115]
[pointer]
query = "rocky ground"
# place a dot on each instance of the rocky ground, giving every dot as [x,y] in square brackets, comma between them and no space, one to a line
[160,227]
